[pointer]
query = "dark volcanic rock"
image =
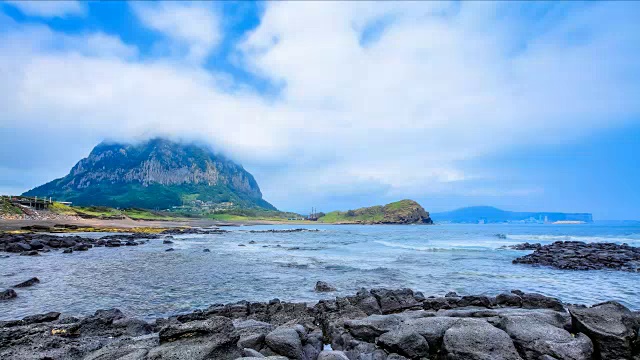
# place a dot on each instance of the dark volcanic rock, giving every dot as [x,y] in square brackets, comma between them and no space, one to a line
[8,294]
[478,340]
[511,326]
[41,318]
[405,342]
[577,255]
[322,286]
[525,246]
[396,300]
[286,341]
[33,244]
[27,283]
[611,326]
[536,338]
[30,253]
[195,231]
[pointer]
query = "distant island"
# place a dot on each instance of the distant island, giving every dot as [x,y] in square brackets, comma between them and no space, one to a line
[399,212]
[489,214]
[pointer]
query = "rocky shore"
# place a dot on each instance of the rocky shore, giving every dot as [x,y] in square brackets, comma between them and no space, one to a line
[34,244]
[378,324]
[578,255]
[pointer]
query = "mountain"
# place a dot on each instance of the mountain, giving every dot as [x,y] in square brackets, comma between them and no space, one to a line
[399,212]
[156,174]
[489,214]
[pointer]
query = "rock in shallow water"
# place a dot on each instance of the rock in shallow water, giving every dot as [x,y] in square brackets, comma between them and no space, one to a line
[322,286]
[8,294]
[27,283]
[577,255]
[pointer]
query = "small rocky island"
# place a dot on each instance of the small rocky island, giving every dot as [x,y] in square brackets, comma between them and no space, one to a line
[578,255]
[374,324]
[399,212]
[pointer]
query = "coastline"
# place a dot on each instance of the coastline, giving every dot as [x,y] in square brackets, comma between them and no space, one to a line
[378,324]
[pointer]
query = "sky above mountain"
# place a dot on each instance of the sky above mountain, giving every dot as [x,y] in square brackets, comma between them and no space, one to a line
[520,105]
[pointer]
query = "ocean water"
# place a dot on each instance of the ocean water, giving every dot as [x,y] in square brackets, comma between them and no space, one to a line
[147,282]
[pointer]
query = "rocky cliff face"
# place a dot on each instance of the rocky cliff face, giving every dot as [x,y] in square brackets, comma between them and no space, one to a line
[158,173]
[405,212]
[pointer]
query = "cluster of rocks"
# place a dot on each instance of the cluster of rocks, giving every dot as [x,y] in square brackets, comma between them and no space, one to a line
[11,294]
[282,231]
[34,244]
[524,246]
[193,231]
[378,324]
[578,255]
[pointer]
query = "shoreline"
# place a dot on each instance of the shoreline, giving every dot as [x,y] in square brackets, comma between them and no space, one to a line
[378,324]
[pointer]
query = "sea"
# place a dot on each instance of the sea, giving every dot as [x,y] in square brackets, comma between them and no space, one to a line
[148,282]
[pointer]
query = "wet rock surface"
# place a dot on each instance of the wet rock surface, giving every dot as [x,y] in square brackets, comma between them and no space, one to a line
[578,255]
[193,231]
[524,246]
[377,324]
[323,286]
[34,244]
[27,283]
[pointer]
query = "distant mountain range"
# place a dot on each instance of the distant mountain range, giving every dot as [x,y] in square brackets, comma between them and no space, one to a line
[489,214]
[156,174]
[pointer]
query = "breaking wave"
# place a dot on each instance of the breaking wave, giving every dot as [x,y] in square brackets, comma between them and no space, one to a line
[553,238]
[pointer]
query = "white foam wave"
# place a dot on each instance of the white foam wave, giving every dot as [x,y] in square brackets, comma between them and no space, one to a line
[425,248]
[552,238]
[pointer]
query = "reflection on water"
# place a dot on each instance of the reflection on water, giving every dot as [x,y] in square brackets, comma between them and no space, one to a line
[148,282]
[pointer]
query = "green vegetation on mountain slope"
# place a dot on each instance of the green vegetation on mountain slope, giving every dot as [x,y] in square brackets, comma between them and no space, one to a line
[156,174]
[399,212]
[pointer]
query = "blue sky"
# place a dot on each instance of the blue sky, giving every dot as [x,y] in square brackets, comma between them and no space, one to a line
[521,105]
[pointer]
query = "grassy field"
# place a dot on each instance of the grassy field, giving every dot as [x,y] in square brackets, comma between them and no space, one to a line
[389,213]
[107,212]
[7,208]
[254,214]
[363,215]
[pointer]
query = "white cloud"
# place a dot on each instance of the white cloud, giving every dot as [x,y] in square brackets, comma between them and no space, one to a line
[438,87]
[46,9]
[193,26]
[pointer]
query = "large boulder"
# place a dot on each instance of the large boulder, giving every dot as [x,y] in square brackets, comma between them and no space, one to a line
[371,327]
[213,338]
[478,340]
[432,329]
[18,247]
[322,286]
[405,342]
[539,301]
[285,341]
[392,301]
[612,327]
[8,294]
[366,302]
[535,338]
